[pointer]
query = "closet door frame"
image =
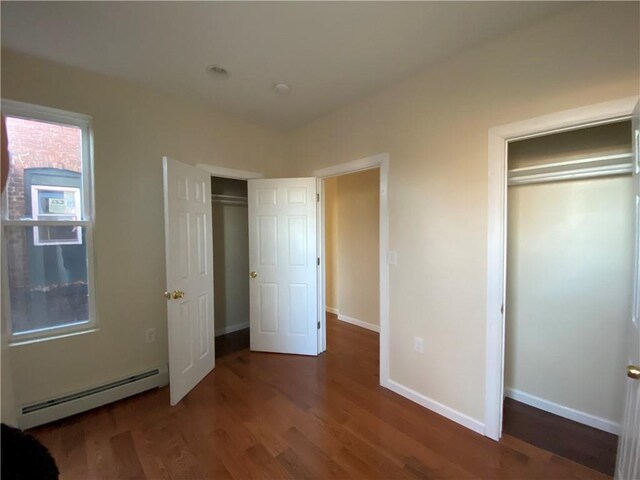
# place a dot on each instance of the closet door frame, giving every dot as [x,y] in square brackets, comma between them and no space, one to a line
[498,140]
[232,173]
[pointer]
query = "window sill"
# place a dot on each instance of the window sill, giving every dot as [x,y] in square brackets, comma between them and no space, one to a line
[58,336]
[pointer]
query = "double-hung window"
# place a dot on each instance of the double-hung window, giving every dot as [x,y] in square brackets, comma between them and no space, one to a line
[47,223]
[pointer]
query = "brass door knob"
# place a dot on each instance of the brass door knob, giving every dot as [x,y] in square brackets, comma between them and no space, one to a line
[167,295]
[253,274]
[177,294]
[633,371]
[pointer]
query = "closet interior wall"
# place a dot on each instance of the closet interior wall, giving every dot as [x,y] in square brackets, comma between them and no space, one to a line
[230,255]
[569,273]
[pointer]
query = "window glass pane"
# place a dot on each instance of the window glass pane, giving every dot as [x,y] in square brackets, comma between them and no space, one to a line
[55,201]
[48,284]
[63,235]
[46,161]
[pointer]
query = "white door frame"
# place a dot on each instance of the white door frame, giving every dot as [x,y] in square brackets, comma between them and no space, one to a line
[380,161]
[224,172]
[499,137]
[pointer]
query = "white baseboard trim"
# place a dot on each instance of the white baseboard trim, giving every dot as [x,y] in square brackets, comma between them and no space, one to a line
[231,328]
[562,411]
[359,323]
[332,310]
[93,397]
[437,407]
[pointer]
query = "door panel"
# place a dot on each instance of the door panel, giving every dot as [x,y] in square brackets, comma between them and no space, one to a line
[282,253]
[268,234]
[189,257]
[628,461]
[298,308]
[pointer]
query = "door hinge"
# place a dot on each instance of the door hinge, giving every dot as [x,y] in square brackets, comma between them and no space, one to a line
[317,197]
[318,325]
[318,262]
[501,309]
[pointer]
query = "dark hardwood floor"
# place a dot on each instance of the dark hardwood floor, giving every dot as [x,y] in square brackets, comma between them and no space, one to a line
[260,415]
[583,444]
[232,342]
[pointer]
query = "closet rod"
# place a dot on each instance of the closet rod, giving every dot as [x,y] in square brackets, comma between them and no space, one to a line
[602,166]
[572,175]
[582,161]
[228,199]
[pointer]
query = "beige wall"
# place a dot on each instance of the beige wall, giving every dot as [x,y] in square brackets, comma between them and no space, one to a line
[231,266]
[331,241]
[434,126]
[359,246]
[570,257]
[133,129]
[352,236]
[8,410]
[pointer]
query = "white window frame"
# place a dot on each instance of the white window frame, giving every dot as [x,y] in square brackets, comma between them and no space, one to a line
[85,219]
[35,214]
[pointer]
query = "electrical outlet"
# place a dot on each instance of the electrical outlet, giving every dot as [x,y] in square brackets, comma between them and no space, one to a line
[150,335]
[418,344]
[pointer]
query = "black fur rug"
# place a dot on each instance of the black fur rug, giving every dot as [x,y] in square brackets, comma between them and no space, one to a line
[24,457]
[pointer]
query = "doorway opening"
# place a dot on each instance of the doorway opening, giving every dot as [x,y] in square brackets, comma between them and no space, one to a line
[380,163]
[352,272]
[569,276]
[230,264]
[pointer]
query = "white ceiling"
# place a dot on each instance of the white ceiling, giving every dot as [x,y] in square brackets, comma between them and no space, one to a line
[330,53]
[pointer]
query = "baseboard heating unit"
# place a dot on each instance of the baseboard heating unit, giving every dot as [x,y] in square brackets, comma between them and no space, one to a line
[63,406]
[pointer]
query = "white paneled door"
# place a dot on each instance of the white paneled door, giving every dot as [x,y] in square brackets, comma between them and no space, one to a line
[283,265]
[628,462]
[189,257]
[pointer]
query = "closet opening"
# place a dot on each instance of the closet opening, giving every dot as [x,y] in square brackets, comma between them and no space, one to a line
[230,264]
[569,279]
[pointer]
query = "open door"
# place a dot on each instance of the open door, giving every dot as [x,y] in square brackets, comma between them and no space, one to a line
[628,461]
[189,257]
[283,286]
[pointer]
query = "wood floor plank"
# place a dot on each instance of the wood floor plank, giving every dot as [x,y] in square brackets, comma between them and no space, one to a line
[269,416]
[336,441]
[72,457]
[266,436]
[289,460]
[314,459]
[583,444]
[230,454]
[269,467]
[149,453]
[126,458]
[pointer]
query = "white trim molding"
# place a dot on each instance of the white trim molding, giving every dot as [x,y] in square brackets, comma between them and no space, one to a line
[359,323]
[335,311]
[231,328]
[367,163]
[225,172]
[437,407]
[499,137]
[30,111]
[562,411]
